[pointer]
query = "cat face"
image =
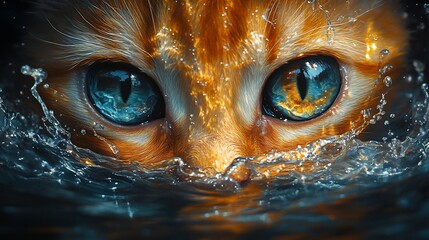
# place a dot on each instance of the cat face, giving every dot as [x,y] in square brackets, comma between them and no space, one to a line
[210,81]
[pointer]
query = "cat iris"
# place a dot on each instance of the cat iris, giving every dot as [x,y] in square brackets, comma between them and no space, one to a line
[302,89]
[123,94]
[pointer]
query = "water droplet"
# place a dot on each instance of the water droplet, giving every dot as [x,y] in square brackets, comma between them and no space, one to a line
[46,85]
[352,20]
[386,69]
[408,78]
[384,53]
[386,122]
[375,82]
[83,132]
[366,113]
[331,34]
[426,7]
[418,66]
[98,126]
[392,115]
[313,3]
[25,70]
[387,81]
[421,26]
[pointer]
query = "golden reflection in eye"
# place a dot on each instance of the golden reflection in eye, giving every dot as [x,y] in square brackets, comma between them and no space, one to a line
[302,89]
[307,106]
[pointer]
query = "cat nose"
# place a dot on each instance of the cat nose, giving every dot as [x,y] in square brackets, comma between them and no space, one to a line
[211,152]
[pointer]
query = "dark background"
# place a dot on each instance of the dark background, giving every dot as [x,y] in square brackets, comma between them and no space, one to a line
[13,20]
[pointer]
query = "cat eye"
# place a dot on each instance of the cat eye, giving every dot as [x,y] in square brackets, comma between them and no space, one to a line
[302,89]
[123,94]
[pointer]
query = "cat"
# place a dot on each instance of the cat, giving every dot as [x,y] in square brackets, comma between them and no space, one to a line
[222,79]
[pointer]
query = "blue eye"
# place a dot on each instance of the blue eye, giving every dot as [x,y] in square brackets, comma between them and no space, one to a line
[123,94]
[302,89]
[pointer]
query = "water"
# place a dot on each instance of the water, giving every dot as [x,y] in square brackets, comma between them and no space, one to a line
[339,186]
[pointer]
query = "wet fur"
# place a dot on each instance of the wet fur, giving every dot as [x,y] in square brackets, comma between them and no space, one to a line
[211,58]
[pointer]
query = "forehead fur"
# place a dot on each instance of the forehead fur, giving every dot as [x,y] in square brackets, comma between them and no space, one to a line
[206,33]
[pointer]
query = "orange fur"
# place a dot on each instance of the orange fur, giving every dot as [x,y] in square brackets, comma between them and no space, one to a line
[210,58]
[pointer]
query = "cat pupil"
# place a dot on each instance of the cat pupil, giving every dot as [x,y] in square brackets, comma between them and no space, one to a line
[301,83]
[125,88]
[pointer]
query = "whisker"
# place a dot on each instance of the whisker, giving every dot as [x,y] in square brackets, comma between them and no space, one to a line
[151,14]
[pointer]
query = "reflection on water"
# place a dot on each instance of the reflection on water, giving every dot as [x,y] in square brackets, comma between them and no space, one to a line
[338,186]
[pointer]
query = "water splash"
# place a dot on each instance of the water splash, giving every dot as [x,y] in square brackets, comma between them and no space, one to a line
[280,188]
[112,146]
[51,123]
[336,157]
